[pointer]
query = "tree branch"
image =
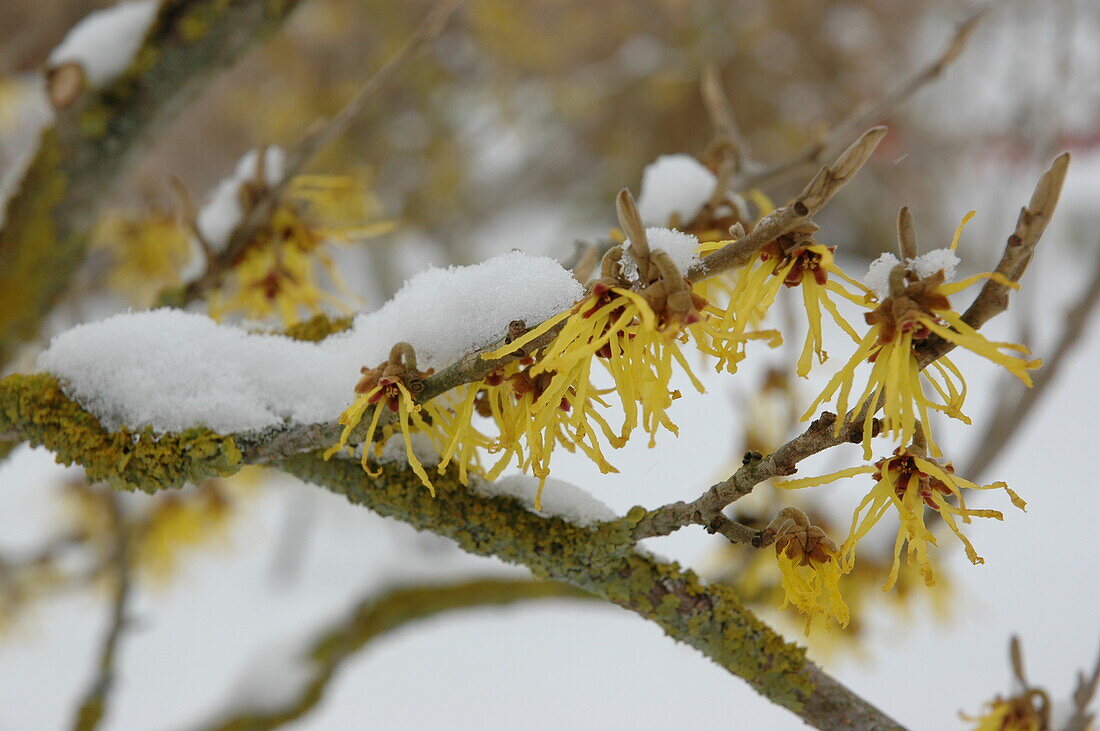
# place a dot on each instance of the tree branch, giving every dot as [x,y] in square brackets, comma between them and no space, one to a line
[864,115]
[94,704]
[85,153]
[379,614]
[307,149]
[599,561]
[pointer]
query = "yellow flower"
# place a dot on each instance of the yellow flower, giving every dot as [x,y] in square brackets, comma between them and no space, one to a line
[1018,713]
[793,260]
[910,484]
[639,349]
[388,387]
[913,310]
[810,569]
[147,252]
[276,273]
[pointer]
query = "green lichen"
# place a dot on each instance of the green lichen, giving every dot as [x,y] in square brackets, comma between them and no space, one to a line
[36,409]
[31,249]
[600,561]
[318,328]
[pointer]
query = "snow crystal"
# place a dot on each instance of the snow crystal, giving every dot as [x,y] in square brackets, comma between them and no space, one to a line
[677,184]
[222,213]
[172,370]
[877,278]
[105,42]
[934,261]
[559,499]
[682,248]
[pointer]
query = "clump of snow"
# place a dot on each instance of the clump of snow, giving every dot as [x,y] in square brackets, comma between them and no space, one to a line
[222,213]
[674,184]
[934,261]
[105,42]
[877,278]
[925,265]
[172,370]
[682,248]
[559,499]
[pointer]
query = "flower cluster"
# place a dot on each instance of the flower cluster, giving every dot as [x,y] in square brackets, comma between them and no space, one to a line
[630,330]
[278,271]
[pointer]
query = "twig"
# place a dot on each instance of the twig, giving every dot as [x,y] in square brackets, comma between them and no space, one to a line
[94,704]
[1083,695]
[727,132]
[1010,414]
[992,300]
[755,468]
[306,150]
[867,115]
[49,219]
[819,191]
[377,615]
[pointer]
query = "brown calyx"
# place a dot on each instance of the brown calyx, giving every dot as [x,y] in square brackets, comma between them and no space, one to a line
[400,368]
[799,539]
[907,304]
[906,474]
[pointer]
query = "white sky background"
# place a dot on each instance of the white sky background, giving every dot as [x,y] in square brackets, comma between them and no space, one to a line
[562,664]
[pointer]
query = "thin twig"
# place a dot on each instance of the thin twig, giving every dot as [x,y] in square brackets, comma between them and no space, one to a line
[1083,695]
[306,150]
[819,191]
[992,300]
[867,115]
[1010,414]
[821,434]
[94,704]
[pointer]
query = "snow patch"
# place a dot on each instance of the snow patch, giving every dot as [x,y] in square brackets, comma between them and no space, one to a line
[560,499]
[106,41]
[223,213]
[681,247]
[877,278]
[937,260]
[172,370]
[674,184]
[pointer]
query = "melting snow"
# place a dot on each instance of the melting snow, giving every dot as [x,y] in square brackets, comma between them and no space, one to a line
[105,42]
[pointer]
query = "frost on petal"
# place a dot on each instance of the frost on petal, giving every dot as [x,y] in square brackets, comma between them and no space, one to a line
[172,370]
[560,499]
[682,248]
[934,261]
[105,42]
[878,275]
[674,184]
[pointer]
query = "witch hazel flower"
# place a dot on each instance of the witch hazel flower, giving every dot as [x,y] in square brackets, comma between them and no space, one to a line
[909,310]
[392,386]
[911,484]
